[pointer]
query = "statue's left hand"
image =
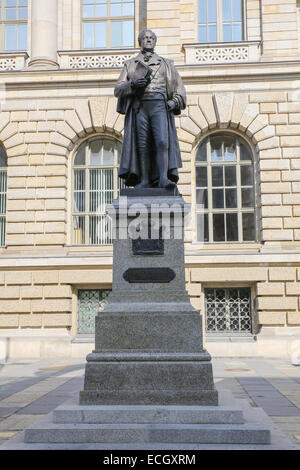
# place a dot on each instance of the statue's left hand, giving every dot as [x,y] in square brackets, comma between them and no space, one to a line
[171,105]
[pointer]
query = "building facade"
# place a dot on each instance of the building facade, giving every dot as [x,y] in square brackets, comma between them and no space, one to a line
[61,136]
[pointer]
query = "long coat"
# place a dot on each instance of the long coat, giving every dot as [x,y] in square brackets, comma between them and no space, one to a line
[129,169]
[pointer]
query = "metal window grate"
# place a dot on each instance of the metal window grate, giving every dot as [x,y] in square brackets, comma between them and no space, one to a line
[228,310]
[90,302]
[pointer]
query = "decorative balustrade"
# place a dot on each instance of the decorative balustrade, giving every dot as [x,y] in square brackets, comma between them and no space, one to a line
[95,59]
[225,52]
[12,61]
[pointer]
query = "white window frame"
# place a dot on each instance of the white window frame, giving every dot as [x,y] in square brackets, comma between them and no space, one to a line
[107,20]
[220,22]
[239,210]
[4,23]
[117,185]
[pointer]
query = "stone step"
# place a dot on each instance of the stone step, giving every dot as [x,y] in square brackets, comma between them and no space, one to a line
[74,414]
[150,433]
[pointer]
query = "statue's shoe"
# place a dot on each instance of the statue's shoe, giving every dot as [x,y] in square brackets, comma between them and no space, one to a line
[166,183]
[143,185]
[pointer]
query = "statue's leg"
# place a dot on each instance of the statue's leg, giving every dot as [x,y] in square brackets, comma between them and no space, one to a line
[159,123]
[143,134]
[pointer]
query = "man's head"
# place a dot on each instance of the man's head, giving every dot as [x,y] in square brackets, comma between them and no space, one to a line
[147,39]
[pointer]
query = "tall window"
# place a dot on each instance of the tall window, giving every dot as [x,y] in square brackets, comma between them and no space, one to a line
[3,188]
[13,34]
[95,184]
[220,20]
[225,192]
[108,23]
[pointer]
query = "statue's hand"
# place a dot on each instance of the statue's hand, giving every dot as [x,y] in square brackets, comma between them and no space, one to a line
[171,105]
[140,83]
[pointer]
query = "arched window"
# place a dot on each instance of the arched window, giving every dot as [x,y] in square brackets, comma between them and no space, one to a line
[95,184]
[3,188]
[225,190]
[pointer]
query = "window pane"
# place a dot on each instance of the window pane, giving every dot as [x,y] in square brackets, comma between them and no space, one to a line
[202,228]
[201,152]
[23,3]
[11,37]
[227,35]
[79,230]
[101,10]
[212,33]
[88,11]
[216,148]
[116,34]
[202,33]
[217,176]
[245,152]
[230,176]
[96,152]
[202,11]
[128,33]
[10,14]
[248,227]
[247,197]
[80,155]
[218,227]
[212,11]
[22,14]
[22,37]
[10,3]
[79,180]
[88,35]
[218,198]
[108,152]
[229,149]
[237,10]
[100,34]
[3,157]
[201,197]
[226,10]
[237,32]
[116,10]
[128,9]
[246,175]
[231,198]
[232,228]
[201,177]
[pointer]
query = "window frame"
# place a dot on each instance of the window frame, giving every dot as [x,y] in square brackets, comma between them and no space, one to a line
[220,24]
[4,22]
[239,210]
[117,184]
[108,20]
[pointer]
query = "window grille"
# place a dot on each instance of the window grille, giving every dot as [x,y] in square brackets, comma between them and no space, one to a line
[228,310]
[220,20]
[95,185]
[13,32]
[108,23]
[90,302]
[225,190]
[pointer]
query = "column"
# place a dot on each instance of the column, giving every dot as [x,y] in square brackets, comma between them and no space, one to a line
[44,34]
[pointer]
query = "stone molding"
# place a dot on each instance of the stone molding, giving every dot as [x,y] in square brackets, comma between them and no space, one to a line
[12,61]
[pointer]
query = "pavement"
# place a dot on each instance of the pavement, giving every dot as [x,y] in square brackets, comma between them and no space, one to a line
[32,388]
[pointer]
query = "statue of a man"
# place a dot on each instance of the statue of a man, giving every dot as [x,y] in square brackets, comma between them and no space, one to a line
[150,92]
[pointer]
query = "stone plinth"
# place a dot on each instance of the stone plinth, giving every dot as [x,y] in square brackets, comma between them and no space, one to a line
[148,339]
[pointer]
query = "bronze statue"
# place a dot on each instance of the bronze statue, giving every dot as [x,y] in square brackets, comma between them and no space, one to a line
[150,91]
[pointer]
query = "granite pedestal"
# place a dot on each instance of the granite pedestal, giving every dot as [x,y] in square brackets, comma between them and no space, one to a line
[148,338]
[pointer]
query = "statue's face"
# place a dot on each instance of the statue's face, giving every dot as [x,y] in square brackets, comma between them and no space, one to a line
[148,41]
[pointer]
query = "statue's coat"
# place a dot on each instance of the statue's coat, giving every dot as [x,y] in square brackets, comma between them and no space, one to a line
[129,168]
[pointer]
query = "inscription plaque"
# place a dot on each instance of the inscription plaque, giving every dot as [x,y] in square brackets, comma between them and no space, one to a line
[143,275]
